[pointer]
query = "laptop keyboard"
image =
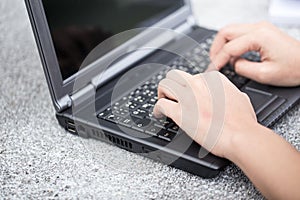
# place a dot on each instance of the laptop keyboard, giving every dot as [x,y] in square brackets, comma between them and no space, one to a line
[134,110]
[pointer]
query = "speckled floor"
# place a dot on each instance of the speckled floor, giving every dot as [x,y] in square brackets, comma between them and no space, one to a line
[38,159]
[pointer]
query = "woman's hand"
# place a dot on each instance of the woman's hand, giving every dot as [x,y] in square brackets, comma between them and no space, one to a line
[279,52]
[208,107]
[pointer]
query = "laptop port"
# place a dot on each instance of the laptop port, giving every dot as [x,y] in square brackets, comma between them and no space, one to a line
[71,127]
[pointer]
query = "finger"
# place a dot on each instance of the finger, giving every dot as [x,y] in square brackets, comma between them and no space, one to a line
[229,33]
[236,48]
[170,89]
[180,77]
[165,107]
[211,67]
[233,60]
[253,70]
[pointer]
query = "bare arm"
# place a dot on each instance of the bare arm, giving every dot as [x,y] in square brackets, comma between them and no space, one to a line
[271,163]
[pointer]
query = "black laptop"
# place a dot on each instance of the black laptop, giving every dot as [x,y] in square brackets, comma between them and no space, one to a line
[103,60]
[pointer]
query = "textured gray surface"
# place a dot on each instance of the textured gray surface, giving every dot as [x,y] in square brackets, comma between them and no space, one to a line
[38,159]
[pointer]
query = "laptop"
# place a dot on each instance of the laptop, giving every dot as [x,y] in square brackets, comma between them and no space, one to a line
[103,68]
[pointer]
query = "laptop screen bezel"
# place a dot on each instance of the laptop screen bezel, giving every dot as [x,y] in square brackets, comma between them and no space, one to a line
[60,88]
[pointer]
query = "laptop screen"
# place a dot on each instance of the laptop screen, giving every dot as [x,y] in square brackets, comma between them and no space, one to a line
[78,26]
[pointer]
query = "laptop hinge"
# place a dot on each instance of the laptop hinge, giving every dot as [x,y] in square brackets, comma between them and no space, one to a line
[64,103]
[77,98]
[83,95]
[191,21]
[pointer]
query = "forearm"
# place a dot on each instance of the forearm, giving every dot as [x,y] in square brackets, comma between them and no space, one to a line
[270,162]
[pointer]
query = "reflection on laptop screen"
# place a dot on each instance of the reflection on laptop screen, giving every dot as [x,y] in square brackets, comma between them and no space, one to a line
[78,26]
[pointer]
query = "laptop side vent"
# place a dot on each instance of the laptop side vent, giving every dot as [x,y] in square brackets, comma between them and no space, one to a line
[113,139]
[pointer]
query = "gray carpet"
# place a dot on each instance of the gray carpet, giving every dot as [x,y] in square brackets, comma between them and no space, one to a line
[38,159]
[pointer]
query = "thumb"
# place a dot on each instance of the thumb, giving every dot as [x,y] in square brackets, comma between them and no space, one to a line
[252,70]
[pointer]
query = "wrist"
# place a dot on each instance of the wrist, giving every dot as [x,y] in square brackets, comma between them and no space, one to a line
[242,140]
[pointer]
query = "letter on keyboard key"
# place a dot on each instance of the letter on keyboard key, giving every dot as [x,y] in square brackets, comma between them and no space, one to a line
[126,122]
[142,125]
[173,128]
[139,113]
[153,131]
[166,135]
[113,118]
[163,123]
[103,114]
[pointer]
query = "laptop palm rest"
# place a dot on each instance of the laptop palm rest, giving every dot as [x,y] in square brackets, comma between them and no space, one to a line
[264,103]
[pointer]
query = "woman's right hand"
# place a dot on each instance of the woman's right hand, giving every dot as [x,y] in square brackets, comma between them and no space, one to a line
[280,53]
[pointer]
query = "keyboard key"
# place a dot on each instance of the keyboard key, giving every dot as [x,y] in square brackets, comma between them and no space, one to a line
[173,128]
[131,106]
[113,118]
[252,56]
[139,113]
[205,46]
[140,100]
[152,117]
[166,135]
[203,65]
[121,112]
[239,81]
[103,114]
[126,122]
[137,92]
[153,131]
[122,101]
[142,125]
[153,101]
[147,106]
[228,73]
[163,123]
